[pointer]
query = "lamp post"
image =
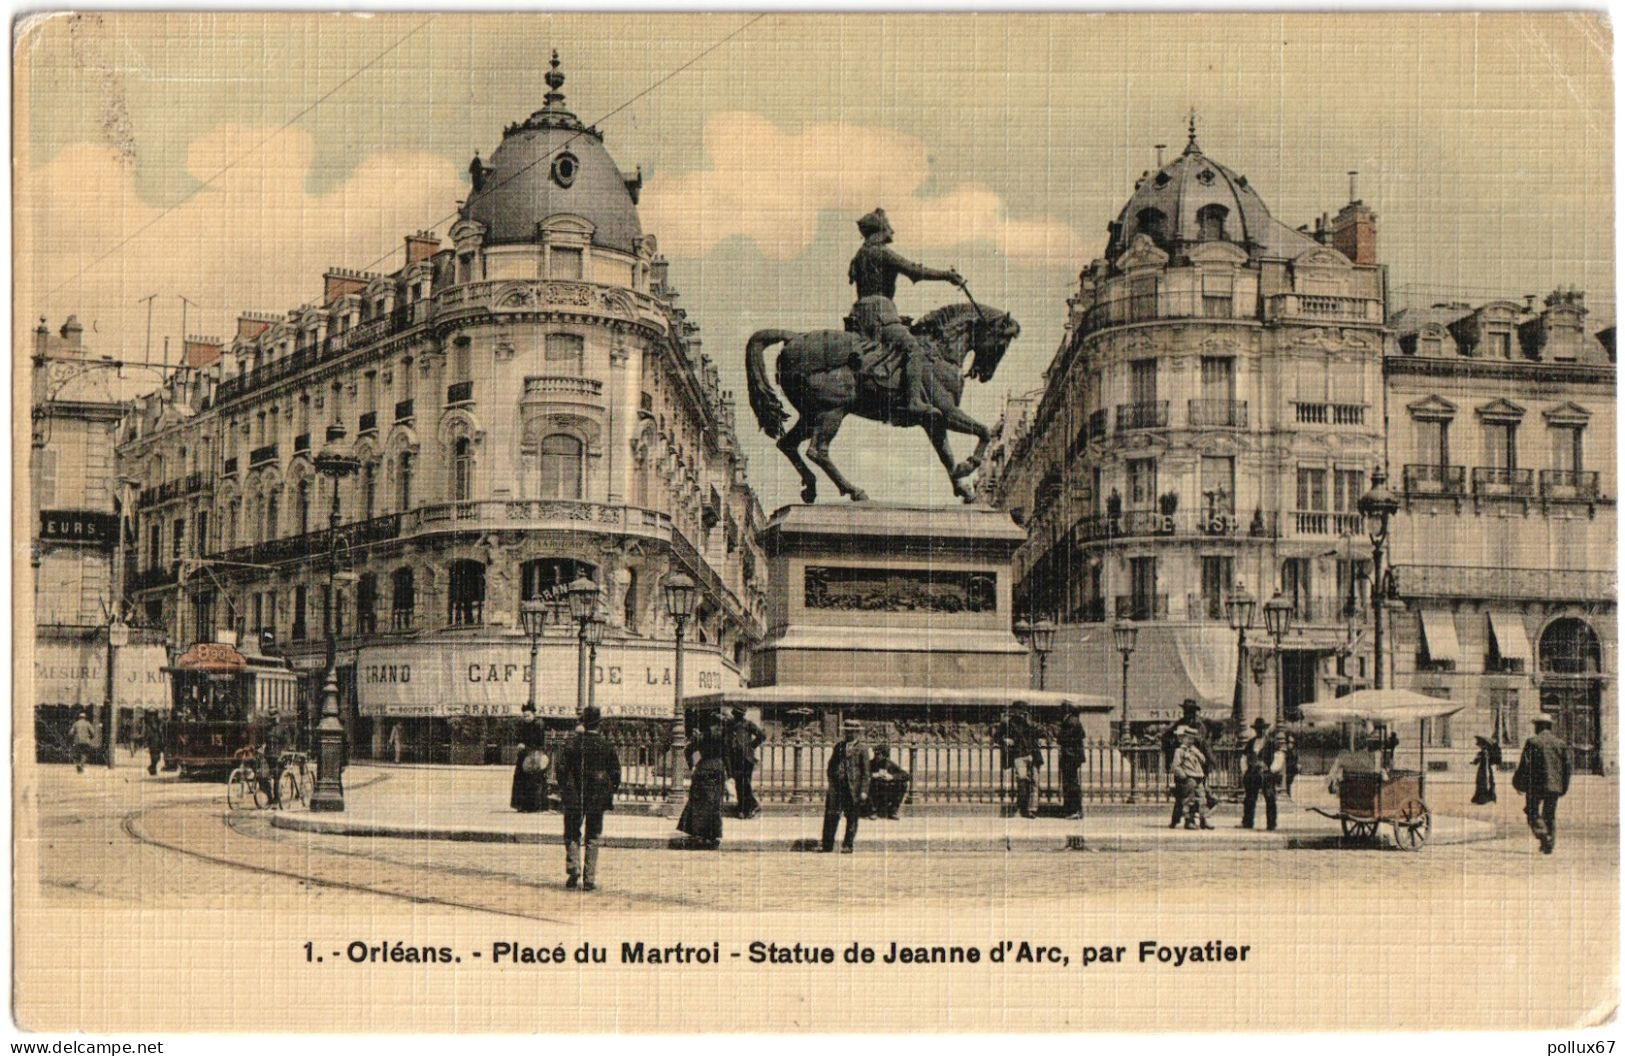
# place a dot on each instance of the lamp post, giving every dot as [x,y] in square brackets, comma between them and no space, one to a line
[1043,638]
[1378,507]
[533,617]
[1238,609]
[1278,620]
[583,594]
[1123,636]
[681,595]
[595,637]
[334,462]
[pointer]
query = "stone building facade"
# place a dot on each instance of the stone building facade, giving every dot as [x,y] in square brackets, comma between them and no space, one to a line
[529,404]
[74,510]
[1502,437]
[1211,418]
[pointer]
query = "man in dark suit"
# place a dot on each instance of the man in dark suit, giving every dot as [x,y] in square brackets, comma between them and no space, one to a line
[744,737]
[1264,765]
[1543,778]
[848,774]
[1021,753]
[888,785]
[589,774]
[1069,739]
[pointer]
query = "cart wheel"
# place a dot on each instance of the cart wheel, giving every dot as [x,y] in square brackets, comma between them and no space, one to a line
[237,794]
[1412,826]
[292,790]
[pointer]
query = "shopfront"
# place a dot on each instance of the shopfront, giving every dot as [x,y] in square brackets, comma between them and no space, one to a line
[458,702]
[71,676]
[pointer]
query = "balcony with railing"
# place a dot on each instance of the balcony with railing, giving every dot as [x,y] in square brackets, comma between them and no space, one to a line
[1500,482]
[564,386]
[301,443]
[1330,413]
[1141,523]
[402,619]
[262,456]
[1142,606]
[1151,415]
[1218,414]
[1207,608]
[1425,479]
[1569,485]
[1323,611]
[1325,522]
[230,468]
[1304,307]
[403,410]
[368,424]
[1093,610]
[460,392]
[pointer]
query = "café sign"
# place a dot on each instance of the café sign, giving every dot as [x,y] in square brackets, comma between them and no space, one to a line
[456,681]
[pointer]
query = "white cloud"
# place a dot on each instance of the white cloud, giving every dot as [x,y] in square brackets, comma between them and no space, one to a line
[256,238]
[771,187]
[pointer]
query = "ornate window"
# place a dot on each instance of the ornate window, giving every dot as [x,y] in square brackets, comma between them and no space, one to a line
[1570,647]
[564,353]
[462,470]
[547,577]
[1210,221]
[563,466]
[467,594]
[369,490]
[403,598]
[564,263]
[302,506]
[366,603]
[403,481]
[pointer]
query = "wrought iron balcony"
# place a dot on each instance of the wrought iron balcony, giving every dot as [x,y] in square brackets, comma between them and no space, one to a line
[1142,606]
[301,443]
[460,392]
[231,466]
[262,456]
[1218,414]
[1152,415]
[1569,484]
[1499,482]
[369,423]
[403,411]
[1423,479]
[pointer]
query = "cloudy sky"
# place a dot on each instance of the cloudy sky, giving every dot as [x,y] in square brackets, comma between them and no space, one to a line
[232,159]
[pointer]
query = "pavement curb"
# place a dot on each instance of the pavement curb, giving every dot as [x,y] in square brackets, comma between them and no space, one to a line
[1471,831]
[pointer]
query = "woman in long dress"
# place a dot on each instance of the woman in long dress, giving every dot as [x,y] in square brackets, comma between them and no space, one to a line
[702,817]
[529,794]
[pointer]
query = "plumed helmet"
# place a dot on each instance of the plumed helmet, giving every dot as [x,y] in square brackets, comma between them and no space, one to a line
[873,223]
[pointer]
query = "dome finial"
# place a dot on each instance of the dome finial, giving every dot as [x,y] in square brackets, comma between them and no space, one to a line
[555,81]
[1190,146]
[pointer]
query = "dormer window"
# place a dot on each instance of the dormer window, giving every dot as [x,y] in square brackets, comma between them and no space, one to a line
[1153,223]
[1210,220]
[1499,344]
[1431,345]
[565,168]
[565,263]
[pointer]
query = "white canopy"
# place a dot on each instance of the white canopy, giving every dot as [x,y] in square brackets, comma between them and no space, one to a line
[1388,706]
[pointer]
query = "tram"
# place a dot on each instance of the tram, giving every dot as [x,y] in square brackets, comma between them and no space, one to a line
[225,700]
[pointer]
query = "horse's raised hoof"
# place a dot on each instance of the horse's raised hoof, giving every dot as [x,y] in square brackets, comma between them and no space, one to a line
[860,496]
[964,469]
[809,493]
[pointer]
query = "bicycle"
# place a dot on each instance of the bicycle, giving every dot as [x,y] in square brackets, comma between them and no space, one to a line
[243,785]
[294,784]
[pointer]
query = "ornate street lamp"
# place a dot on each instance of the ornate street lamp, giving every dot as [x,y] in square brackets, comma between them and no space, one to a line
[681,596]
[1238,609]
[1123,636]
[595,638]
[533,617]
[1278,620]
[1378,507]
[335,462]
[583,594]
[1043,643]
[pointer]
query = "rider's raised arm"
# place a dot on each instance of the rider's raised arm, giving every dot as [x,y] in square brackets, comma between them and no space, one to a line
[917,272]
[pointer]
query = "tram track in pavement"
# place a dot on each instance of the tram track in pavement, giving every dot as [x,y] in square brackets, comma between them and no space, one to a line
[138,826]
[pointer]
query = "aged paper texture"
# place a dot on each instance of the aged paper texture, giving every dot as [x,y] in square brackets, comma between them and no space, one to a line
[508,554]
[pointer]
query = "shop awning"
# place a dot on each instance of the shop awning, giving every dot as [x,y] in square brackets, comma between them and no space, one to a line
[1511,640]
[1170,664]
[1439,630]
[74,674]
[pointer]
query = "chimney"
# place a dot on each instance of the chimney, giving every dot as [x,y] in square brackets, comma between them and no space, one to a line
[421,246]
[1353,196]
[252,325]
[1160,148]
[73,335]
[341,282]
[42,338]
[200,351]
[1529,302]
[1354,233]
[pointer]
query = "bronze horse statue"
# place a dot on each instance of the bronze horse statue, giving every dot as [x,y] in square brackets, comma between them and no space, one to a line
[820,371]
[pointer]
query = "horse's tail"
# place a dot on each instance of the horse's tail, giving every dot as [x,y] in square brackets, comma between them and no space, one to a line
[770,412]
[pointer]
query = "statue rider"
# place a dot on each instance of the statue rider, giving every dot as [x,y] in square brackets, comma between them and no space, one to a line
[874,272]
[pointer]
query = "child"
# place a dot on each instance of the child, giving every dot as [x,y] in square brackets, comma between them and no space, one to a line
[1190,780]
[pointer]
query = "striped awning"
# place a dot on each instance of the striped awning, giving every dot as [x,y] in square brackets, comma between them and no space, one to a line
[1511,640]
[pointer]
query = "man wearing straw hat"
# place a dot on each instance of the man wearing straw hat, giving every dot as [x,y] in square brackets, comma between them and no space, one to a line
[1543,778]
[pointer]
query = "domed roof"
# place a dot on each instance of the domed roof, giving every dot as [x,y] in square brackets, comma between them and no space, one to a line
[549,164]
[1195,199]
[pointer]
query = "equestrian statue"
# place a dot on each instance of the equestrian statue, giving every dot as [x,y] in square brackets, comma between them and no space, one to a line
[881,367]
